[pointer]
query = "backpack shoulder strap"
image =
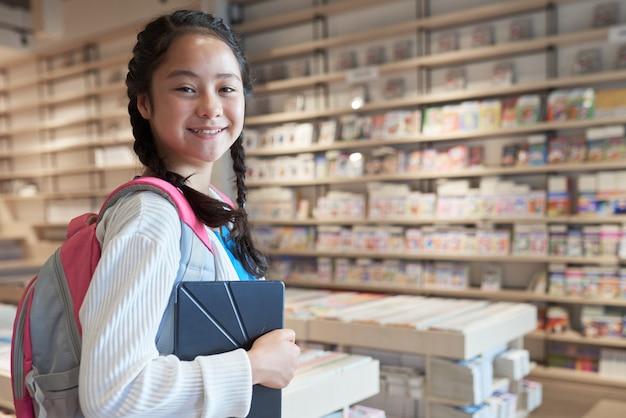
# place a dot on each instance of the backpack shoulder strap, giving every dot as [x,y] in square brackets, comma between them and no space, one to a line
[223,196]
[169,192]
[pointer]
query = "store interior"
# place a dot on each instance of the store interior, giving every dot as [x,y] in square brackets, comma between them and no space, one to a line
[439,184]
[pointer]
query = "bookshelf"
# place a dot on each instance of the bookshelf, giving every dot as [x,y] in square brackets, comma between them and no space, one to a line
[561,29]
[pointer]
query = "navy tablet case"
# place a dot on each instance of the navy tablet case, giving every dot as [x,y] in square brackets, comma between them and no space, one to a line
[214,317]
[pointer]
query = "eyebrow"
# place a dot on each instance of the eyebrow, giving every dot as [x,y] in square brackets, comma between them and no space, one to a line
[188,73]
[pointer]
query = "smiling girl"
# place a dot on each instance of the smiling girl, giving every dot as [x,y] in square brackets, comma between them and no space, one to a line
[187,84]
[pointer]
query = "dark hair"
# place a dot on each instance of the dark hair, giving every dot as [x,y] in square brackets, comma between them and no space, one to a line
[149,52]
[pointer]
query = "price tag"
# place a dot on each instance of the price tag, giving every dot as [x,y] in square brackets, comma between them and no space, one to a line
[360,75]
[617,34]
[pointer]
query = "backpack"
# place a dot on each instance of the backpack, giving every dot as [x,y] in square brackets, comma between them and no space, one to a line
[46,343]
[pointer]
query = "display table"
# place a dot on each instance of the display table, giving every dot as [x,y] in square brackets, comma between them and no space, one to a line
[606,408]
[437,328]
[453,328]
[342,380]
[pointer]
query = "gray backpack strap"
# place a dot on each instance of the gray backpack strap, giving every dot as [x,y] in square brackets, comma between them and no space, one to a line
[196,262]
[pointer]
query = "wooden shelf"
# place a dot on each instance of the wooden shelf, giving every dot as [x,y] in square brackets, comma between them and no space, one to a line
[468,56]
[58,195]
[405,255]
[66,171]
[112,140]
[300,16]
[574,219]
[84,67]
[408,102]
[67,122]
[577,338]
[473,172]
[405,28]
[576,376]
[473,292]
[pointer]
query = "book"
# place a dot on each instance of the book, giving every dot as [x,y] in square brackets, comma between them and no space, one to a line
[327,132]
[605,14]
[558,196]
[588,61]
[433,120]
[276,72]
[490,114]
[536,150]
[394,88]
[577,151]
[581,104]
[375,55]
[521,29]
[557,150]
[448,41]
[509,155]
[298,68]
[455,78]
[402,49]
[492,277]
[450,116]
[509,112]
[347,60]
[503,74]
[363,127]
[596,144]
[349,130]
[557,105]
[528,109]
[469,116]
[476,156]
[482,36]
[294,103]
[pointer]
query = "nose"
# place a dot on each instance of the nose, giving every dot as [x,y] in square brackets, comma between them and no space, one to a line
[209,106]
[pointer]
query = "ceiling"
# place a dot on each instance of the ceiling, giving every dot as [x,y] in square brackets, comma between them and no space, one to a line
[23,4]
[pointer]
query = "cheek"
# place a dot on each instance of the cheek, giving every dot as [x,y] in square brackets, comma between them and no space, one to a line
[238,114]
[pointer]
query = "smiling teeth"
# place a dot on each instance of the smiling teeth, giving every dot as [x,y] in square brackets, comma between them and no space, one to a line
[206,131]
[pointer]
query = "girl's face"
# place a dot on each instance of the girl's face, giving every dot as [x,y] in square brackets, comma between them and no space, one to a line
[196,108]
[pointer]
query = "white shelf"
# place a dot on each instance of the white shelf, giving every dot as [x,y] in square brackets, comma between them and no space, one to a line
[348,381]
[512,324]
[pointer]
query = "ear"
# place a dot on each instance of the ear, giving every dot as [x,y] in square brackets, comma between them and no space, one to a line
[143,105]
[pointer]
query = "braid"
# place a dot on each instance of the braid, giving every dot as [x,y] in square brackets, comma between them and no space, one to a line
[241,229]
[238,155]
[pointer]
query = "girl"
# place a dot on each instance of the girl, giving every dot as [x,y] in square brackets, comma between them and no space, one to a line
[186,83]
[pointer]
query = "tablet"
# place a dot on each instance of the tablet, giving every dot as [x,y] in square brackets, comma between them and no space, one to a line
[214,317]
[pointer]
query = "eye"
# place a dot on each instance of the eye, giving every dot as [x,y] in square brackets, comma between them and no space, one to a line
[185,89]
[227,89]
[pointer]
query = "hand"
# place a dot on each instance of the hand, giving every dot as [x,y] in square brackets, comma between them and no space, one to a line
[274,358]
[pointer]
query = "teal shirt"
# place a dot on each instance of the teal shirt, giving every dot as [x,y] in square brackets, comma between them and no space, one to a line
[229,245]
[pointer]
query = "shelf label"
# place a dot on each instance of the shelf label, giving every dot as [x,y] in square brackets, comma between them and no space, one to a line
[361,75]
[617,34]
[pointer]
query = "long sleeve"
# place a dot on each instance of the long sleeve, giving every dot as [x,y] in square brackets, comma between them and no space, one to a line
[122,373]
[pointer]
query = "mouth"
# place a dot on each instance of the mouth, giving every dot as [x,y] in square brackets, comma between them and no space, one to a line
[207,131]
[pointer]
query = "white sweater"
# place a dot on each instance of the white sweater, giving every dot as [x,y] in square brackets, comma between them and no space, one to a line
[122,373]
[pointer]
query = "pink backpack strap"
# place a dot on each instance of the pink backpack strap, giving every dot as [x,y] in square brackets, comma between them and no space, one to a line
[166,189]
[223,196]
